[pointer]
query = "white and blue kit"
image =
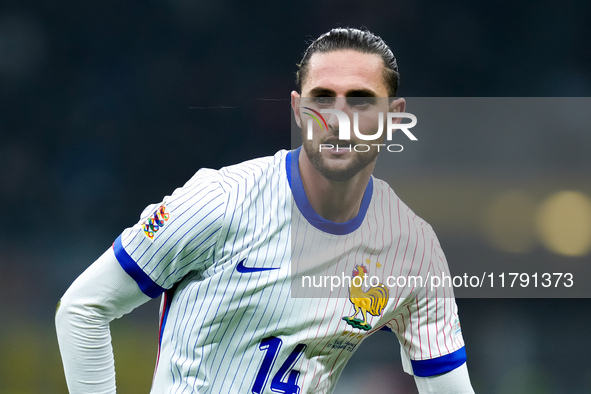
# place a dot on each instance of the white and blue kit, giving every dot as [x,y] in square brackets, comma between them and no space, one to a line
[223,251]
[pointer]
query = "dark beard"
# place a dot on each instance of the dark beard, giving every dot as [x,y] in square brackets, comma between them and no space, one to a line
[359,162]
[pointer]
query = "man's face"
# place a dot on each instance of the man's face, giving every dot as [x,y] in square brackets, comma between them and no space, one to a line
[349,81]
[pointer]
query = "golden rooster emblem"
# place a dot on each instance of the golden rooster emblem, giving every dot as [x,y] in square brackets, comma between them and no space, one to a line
[373,300]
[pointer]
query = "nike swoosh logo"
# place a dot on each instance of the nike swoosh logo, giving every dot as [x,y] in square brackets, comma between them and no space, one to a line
[246,270]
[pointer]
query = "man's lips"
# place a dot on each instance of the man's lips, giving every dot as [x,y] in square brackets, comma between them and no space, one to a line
[336,147]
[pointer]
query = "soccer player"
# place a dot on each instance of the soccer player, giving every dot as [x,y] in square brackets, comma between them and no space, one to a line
[224,249]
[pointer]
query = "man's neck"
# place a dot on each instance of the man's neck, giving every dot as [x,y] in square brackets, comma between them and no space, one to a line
[335,201]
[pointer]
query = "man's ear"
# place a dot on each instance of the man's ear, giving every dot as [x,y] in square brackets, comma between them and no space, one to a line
[398,105]
[295,106]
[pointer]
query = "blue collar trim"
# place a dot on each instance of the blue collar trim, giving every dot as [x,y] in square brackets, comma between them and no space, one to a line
[301,200]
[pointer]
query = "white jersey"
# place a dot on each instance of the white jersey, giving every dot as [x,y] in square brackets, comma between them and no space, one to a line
[225,249]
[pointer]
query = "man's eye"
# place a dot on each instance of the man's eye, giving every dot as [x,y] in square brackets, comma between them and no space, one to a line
[323,100]
[360,102]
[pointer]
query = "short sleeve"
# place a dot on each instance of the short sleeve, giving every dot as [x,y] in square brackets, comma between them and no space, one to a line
[176,236]
[428,326]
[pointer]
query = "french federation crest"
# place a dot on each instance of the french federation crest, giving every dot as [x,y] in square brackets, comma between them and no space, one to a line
[372,301]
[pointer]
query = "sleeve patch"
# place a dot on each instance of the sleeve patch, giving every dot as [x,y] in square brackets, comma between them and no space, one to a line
[457,327]
[155,222]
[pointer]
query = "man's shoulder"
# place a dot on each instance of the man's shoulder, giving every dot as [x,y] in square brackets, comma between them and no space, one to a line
[232,176]
[256,166]
[398,207]
[249,168]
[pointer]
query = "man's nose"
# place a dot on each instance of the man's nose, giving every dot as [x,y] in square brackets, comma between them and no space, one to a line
[333,121]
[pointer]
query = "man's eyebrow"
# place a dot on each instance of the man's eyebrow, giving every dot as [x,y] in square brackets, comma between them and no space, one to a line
[351,93]
[322,92]
[361,93]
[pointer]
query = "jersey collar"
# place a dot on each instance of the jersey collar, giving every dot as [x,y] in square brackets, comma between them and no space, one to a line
[301,200]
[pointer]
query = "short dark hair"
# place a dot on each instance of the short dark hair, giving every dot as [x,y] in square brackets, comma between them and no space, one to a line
[363,41]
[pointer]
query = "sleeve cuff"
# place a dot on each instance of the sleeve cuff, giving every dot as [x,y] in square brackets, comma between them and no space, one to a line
[439,365]
[146,284]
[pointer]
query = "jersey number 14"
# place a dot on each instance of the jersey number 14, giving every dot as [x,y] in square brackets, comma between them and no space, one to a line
[271,346]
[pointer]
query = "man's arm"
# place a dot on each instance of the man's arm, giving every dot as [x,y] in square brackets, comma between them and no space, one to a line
[456,381]
[102,293]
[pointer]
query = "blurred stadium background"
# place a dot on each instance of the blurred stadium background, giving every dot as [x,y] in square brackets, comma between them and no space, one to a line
[96,123]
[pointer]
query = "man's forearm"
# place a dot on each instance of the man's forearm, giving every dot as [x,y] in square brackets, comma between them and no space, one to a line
[452,382]
[102,293]
[86,351]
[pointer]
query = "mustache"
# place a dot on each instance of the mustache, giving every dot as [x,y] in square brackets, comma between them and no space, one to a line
[336,141]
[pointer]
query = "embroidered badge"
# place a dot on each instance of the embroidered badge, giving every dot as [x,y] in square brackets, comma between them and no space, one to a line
[155,222]
[372,301]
